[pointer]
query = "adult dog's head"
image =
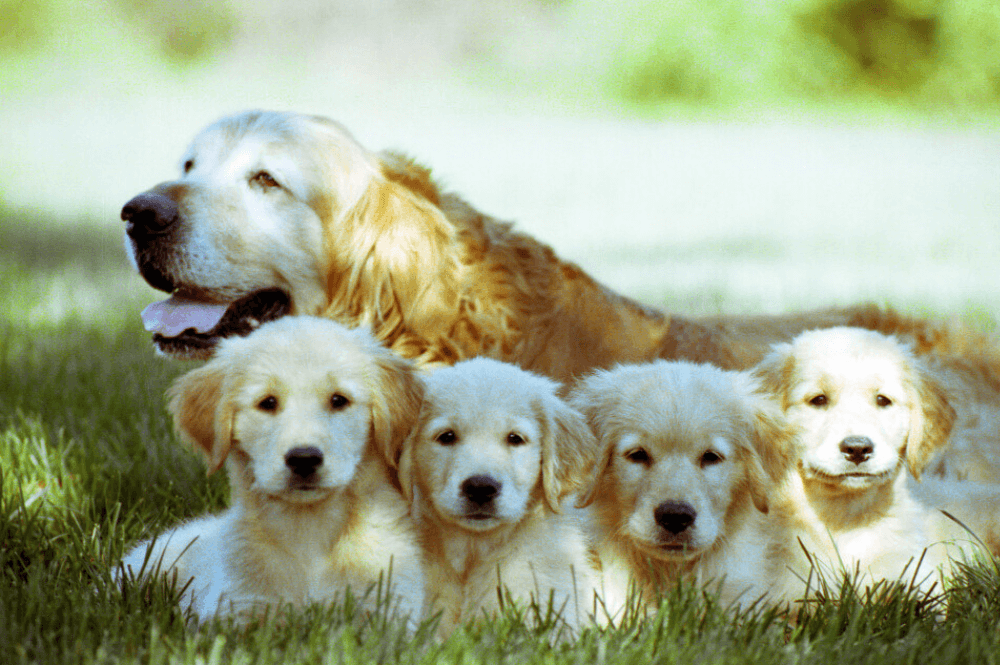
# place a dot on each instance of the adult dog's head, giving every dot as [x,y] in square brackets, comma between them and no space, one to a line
[492,442]
[282,213]
[863,405]
[688,451]
[296,406]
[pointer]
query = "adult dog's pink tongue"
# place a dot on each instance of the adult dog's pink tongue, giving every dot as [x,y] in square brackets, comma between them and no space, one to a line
[174,315]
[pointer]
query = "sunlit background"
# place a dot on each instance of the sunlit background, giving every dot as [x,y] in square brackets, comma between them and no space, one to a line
[733,155]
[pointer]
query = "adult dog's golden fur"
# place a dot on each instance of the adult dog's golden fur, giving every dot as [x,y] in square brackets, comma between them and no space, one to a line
[279,213]
[303,413]
[691,456]
[488,466]
[870,416]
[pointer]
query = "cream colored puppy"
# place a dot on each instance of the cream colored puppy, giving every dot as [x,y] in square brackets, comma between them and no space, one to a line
[302,413]
[691,456]
[869,416]
[488,466]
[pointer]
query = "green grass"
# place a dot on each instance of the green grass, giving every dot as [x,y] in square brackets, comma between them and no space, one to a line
[89,465]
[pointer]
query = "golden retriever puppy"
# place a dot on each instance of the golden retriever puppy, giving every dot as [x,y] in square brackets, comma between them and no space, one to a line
[868,414]
[690,458]
[283,213]
[488,466]
[302,413]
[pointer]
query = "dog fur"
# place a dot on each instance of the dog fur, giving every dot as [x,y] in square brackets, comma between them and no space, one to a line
[488,467]
[690,458]
[302,413]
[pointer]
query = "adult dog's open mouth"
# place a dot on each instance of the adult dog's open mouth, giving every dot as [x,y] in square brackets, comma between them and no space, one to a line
[190,329]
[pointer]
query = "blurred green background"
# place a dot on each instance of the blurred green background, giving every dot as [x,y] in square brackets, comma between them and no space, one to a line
[736,155]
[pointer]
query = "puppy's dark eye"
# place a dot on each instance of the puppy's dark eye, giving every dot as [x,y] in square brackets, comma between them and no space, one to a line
[264,179]
[188,165]
[638,456]
[338,401]
[446,438]
[710,457]
[882,400]
[818,401]
[515,439]
[268,404]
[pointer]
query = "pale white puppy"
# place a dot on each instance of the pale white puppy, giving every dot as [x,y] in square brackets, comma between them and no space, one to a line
[302,412]
[870,417]
[493,457]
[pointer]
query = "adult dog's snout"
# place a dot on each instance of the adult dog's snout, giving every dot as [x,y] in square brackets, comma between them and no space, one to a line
[480,490]
[857,449]
[149,214]
[675,516]
[303,462]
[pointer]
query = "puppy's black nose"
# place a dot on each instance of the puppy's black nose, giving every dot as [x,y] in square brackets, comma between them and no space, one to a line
[304,461]
[480,490]
[675,516]
[857,449]
[149,214]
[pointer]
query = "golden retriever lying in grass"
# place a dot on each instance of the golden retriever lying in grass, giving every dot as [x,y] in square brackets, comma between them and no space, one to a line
[279,213]
[302,412]
[488,465]
[691,456]
[869,414]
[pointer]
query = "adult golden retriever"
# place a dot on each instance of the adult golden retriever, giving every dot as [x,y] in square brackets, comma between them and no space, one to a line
[303,413]
[691,457]
[488,465]
[279,213]
[870,415]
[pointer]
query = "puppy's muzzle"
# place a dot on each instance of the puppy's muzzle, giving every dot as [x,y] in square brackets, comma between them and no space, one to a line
[480,490]
[148,215]
[303,462]
[675,517]
[857,449]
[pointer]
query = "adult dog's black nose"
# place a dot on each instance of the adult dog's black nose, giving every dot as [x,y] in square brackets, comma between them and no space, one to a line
[149,214]
[675,516]
[304,461]
[480,490]
[857,449]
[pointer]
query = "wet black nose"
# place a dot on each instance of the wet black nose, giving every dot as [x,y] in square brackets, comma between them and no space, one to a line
[304,461]
[857,449]
[480,490]
[675,516]
[149,214]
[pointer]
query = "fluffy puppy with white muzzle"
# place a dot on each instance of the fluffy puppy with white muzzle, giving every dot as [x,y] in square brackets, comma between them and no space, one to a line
[870,416]
[302,413]
[488,466]
[691,457]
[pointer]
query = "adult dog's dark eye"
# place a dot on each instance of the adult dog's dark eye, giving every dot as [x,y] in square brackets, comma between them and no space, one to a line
[818,401]
[882,400]
[268,404]
[515,439]
[188,165]
[447,437]
[338,401]
[710,457]
[264,179]
[638,456]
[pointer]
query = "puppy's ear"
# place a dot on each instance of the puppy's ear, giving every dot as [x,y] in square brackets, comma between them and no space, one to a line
[405,472]
[595,397]
[201,414]
[931,420]
[568,448]
[395,262]
[772,442]
[397,393]
[775,373]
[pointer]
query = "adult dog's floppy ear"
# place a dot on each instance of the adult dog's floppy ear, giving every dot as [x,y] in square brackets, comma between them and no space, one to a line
[568,448]
[201,414]
[931,419]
